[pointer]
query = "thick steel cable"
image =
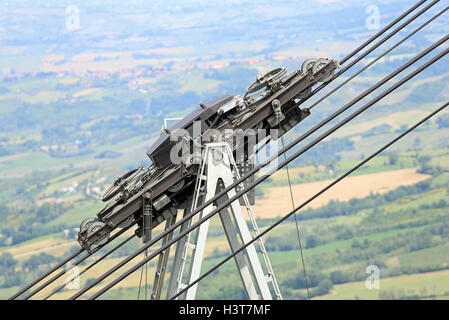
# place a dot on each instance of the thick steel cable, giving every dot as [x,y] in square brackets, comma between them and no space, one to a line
[378,34]
[259,180]
[59,265]
[371,49]
[378,58]
[62,272]
[249,174]
[360,164]
[93,264]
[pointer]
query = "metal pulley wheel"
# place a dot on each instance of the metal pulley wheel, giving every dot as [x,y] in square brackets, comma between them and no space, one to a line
[264,80]
[308,64]
[121,183]
[86,223]
[304,93]
[321,63]
[94,227]
[127,222]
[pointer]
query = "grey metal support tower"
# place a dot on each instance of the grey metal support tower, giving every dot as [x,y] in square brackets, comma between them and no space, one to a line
[218,170]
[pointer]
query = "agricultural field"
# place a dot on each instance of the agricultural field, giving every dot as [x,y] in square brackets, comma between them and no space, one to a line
[360,186]
[426,285]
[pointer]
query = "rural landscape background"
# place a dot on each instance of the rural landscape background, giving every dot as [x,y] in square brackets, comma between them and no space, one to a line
[84,89]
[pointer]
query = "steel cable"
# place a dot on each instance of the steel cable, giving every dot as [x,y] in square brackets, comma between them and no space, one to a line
[371,49]
[49,272]
[377,58]
[61,273]
[378,34]
[93,264]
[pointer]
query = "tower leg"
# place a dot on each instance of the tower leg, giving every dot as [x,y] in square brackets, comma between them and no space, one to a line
[242,265]
[159,276]
[245,236]
[216,166]
[180,256]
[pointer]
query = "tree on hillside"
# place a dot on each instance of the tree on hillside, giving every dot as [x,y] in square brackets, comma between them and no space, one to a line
[43,212]
[312,241]
[338,277]
[7,261]
[37,260]
[393,157]
[324,287]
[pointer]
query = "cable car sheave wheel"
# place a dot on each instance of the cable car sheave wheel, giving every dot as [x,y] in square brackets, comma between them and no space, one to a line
[128,179]
[263,81]
[316,65]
